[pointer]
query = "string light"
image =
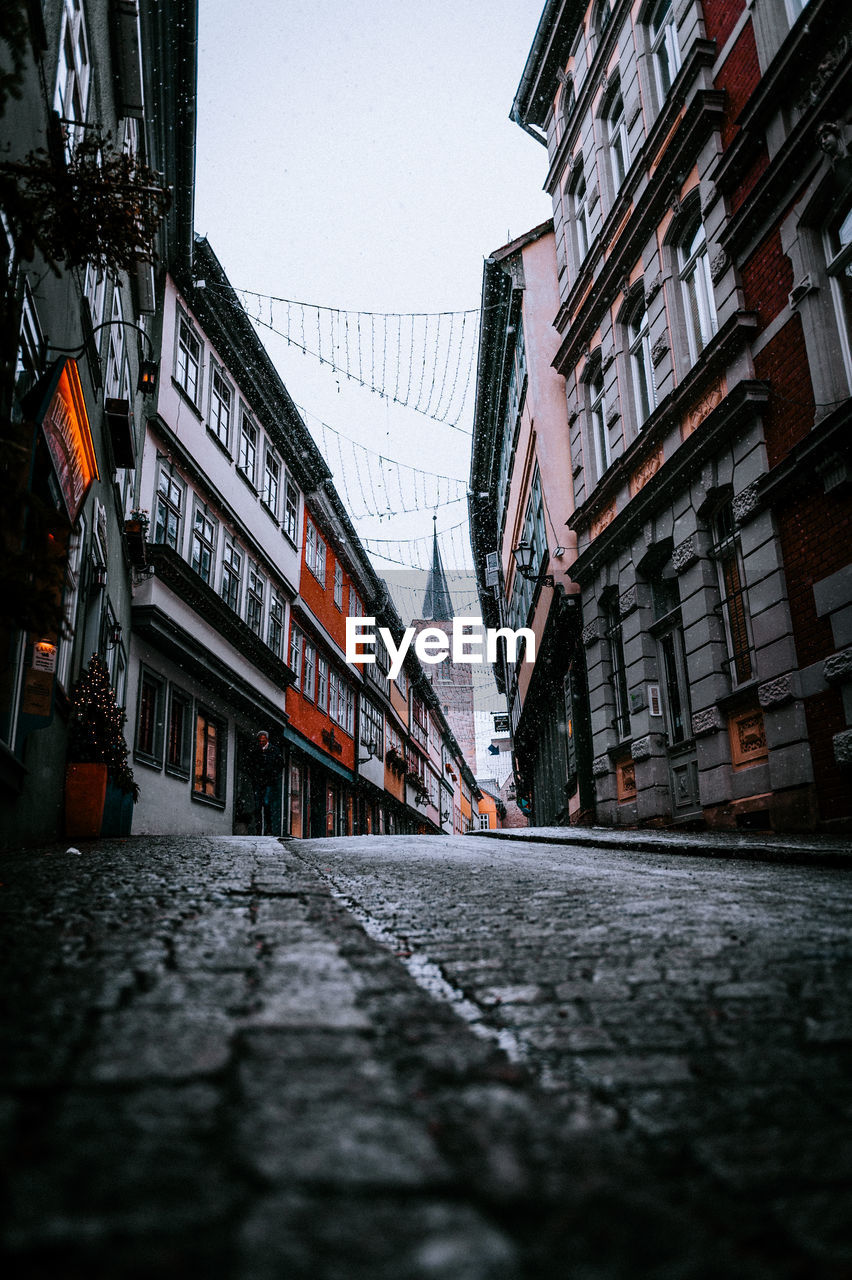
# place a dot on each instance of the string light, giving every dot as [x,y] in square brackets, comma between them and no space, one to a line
[431,349]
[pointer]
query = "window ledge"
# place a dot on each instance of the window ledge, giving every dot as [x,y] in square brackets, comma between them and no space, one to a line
[150,762]
[187,398]
[269,511]
[172,771]
[212,802]
[247,480]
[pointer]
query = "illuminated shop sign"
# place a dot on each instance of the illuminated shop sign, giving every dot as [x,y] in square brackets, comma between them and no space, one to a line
[69,439]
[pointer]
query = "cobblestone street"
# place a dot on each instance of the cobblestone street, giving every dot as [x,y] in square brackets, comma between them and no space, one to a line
[412,1058]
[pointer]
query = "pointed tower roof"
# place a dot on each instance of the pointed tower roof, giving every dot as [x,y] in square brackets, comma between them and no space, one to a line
[437,603]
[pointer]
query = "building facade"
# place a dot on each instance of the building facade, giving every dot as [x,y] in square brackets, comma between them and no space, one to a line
[522,496]
[698,162]
[94,73]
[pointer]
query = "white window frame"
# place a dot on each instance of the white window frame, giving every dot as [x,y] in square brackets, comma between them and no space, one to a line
[272,469]
[248,448]
[255,598]
[338,585]
[665,50]
[696,288]
[276,623]
[188,357]
[838,260]
[115,347]
[295,655]
[221,407]
[641,365]
[309,667]
[599,427]
[618,140]
[291,509]
[73,73]
[172,497]
[231,574]
[204,539]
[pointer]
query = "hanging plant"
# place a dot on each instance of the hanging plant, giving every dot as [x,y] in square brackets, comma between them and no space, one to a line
[99,205]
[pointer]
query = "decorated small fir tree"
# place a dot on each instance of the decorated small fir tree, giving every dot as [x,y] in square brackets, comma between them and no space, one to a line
[96,726]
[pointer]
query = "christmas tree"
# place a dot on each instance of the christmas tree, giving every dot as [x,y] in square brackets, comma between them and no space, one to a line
[96,726]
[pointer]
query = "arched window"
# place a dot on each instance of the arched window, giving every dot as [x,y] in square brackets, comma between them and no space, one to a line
[619,147]
[696,286]
[641,364]
[664,47]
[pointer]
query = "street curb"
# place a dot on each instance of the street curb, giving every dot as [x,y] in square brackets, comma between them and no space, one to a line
[820,851]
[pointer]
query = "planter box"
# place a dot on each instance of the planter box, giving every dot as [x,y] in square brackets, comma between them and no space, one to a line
[118,811]
[85,793]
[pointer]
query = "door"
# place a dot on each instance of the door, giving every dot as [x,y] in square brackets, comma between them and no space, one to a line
[683,760]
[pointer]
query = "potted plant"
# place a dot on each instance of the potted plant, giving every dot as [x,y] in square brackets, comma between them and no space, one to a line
[97,760]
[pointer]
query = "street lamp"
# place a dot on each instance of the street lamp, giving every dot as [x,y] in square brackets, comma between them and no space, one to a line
[523,554]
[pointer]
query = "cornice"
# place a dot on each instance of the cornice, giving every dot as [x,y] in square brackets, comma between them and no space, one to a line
[743,402]
[789,169]
[730,339]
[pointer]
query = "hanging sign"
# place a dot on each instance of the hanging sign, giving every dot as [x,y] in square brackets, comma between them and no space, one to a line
[69,440]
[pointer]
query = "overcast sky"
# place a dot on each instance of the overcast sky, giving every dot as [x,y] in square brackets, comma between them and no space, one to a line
[361,156]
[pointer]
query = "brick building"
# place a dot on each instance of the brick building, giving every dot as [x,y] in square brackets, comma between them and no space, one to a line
[699,166]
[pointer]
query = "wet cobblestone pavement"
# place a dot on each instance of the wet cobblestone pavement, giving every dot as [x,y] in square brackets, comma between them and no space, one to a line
[412,1058]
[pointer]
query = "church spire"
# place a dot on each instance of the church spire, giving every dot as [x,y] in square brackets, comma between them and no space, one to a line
[437,603]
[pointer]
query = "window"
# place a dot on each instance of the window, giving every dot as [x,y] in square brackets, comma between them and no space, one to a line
[332,694]
[255,594]
[72,75]
[310,667]
[674,677]
[247,459]
[275,629]
[641,365]
[291,510]
[203,549]
[315,552]
[115,347]
[697,288]
[179,736]
[483,822]
[338,584]
[665,50]
[345,706]
[296,639]
[617,670]
[603,16]
[619,148]
[169,507]
[567,102]
[600,430]
[838,252]
[322,684]
[95,290]
[188,364]
[271,481]
[796,8]
[726,550]
[149,717]
[372,727]
[580,210]
[211,736]
[221,401]
[356,610]
[232,572]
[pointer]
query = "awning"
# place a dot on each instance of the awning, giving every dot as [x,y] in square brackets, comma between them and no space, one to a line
[314,752]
